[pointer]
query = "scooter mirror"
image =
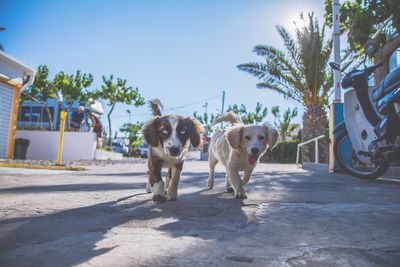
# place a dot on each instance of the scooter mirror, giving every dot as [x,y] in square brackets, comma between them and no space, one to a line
[334,66]
[370,47]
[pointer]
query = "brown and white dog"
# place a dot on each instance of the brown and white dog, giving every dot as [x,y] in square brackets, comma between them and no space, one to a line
[168,139]
[238,149]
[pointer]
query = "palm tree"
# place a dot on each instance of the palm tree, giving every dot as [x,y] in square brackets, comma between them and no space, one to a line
[301,73]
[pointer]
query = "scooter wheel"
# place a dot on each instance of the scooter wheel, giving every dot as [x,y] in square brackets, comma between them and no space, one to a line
[350,163]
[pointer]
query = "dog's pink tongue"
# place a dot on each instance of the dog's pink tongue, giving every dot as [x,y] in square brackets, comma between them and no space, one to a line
[252,160]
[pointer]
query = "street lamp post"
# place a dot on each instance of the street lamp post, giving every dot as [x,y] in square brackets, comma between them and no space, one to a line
[129,112]
[336,108]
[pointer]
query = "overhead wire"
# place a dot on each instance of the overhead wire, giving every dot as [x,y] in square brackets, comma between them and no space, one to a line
[173,108]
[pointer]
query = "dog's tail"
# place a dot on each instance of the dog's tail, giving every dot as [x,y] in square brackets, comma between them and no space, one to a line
[155,106]
[231,117]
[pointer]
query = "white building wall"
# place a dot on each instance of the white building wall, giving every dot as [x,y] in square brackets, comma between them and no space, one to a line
[44,145]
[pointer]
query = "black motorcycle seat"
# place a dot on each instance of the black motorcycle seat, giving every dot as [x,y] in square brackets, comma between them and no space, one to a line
[388,84]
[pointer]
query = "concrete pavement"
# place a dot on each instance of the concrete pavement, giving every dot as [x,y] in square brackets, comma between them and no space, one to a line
[103,217]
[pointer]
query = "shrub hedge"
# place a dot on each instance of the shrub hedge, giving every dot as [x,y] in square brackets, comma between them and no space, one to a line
[283,152]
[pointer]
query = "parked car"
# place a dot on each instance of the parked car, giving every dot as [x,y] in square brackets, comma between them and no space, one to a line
[119,147]
[143,150]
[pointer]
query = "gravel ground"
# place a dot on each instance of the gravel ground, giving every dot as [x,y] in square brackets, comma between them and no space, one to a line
[93,162]
[192,155]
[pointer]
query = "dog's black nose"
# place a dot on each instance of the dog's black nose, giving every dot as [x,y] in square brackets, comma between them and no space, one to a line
[255,151]
[174,150]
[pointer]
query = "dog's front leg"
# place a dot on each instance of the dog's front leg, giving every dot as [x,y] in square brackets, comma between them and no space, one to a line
[172,191]
[168,178]
[155,180]
[229,188]
[246,176]
[236,182]
[148,186]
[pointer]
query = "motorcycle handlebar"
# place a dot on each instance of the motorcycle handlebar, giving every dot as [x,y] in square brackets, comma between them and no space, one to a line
[371,69]
[348,80]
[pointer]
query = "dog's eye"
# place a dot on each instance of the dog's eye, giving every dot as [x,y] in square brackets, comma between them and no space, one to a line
[260,137]
[247,137]
[164,131]
[183,132]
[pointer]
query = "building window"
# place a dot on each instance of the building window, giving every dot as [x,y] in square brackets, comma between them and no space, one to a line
[36,114]
[26,114]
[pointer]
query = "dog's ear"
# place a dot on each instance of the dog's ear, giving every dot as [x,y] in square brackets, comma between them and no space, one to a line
[234,136]
[272,135]
[195,130]
[150,132]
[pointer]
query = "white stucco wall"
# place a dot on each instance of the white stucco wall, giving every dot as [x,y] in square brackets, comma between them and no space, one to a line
[44,145]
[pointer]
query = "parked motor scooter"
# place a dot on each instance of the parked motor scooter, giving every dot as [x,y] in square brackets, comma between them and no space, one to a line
[369,138]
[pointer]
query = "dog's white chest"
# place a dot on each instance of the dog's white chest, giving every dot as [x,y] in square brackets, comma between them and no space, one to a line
[167,160]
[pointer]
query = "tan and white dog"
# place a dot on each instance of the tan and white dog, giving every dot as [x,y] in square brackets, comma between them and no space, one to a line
[238,148]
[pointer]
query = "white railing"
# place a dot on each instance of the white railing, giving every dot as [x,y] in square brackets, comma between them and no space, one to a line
[315,139]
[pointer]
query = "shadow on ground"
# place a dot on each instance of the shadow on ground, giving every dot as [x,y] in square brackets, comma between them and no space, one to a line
[70,236]
[302,218]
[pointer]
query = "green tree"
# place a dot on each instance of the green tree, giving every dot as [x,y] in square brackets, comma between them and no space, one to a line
[118,92]
[301,74]
[74,87]
[284,125]
[41,91]
[361,19]
[249,117]
[205,120]
[132,132]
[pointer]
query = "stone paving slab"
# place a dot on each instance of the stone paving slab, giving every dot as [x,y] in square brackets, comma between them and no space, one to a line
[103,217]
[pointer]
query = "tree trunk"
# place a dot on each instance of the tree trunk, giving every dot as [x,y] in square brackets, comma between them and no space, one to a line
[109,124]
[283,136]
[382,56]
[69,107]
[50,117]
[315,123]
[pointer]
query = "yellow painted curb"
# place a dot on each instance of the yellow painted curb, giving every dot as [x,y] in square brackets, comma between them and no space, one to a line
[43,167]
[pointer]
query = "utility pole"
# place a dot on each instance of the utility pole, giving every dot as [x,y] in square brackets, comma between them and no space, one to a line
[223,102]
[205,106]
[336,49]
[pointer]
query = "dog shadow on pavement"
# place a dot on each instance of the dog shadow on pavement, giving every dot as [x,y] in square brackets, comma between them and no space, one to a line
[69,237]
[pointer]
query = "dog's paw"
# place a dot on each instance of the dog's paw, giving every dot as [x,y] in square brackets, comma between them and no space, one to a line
[159,198]
[148,188]
[171,197]
[241,195]
[229,189]
[210,184]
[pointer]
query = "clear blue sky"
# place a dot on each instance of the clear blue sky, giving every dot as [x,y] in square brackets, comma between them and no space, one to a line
[179,51]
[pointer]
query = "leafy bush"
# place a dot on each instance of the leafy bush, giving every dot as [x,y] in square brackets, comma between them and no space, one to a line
[107,148]
[283,152]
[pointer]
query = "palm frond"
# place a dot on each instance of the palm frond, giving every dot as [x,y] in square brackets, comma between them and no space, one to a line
[268,51]
[258,70]
[289,44]
[287,94]
[301,72]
